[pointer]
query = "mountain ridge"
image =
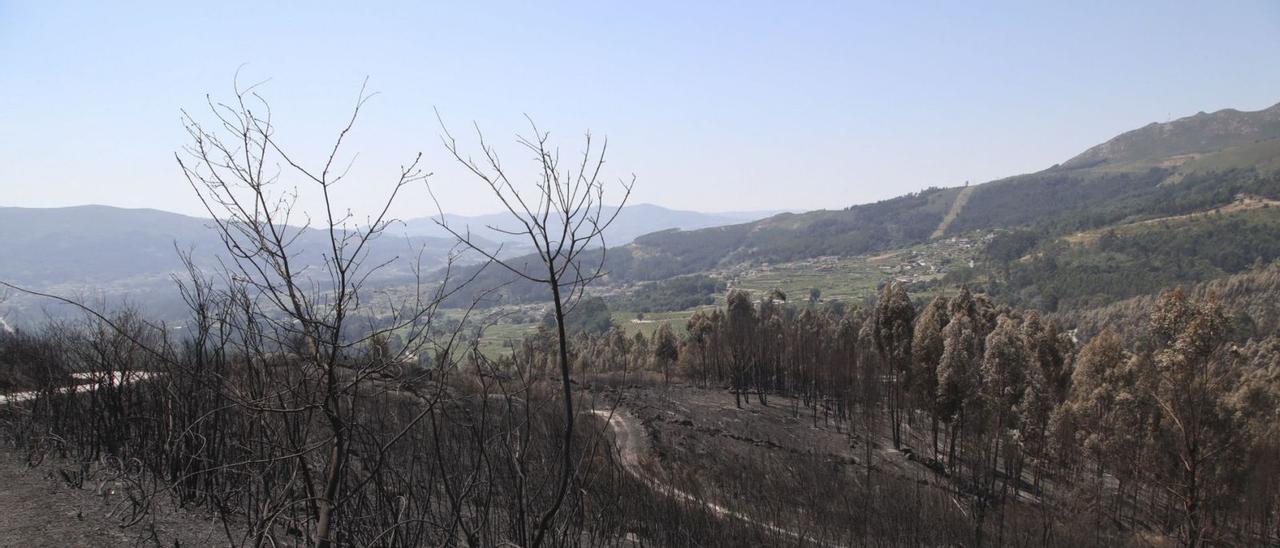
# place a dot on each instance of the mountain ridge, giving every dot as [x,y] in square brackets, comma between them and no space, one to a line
[633,221]
[1060,199]
[1196,134]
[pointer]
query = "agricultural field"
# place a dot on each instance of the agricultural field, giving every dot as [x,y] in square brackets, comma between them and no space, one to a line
[858,278]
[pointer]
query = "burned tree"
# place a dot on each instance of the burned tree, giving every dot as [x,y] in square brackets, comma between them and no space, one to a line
[302,306]
[564,218]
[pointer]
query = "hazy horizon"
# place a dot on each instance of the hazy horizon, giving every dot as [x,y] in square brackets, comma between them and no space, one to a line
[760,107]
[205,215]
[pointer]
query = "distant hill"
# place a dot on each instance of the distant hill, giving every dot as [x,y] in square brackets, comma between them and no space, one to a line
[633,221]
[94,244]
[1080,194]
[116,253]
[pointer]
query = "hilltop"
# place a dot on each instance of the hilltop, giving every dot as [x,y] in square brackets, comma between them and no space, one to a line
[1185,139]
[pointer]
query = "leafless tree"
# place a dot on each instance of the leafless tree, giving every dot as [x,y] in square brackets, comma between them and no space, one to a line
[301,299]
[563,215]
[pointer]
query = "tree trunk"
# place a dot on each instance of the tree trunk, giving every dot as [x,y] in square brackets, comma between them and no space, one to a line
[566,467]
[933,418]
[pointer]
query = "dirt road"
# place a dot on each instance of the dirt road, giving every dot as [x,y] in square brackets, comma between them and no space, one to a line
[86,382]
[631,444]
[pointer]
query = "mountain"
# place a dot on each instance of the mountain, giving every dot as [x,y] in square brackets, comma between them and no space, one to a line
[1082,193]
[1198,163]
[116,253]
[1173,143]
[1201,163]
[633,221]
[94,244]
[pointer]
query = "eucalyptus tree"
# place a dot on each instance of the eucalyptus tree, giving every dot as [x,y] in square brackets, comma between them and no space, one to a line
[957,378]
[1003,383]
[665,350]
[927,346]
[1193,375]
[894,318]
[740,337]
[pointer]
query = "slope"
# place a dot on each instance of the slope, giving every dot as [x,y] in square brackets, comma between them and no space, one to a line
[1171,143]
[633,221]
[1191,164]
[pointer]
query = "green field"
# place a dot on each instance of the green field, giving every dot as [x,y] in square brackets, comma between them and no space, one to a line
[855,279]
[849,279]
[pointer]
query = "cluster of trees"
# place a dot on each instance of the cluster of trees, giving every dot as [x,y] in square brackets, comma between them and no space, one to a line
[589,315]
[234,427]
[1252,299]
[300,406]
[679,293]
[1174,429]
[1033,266]
[20,348]
[1058,275]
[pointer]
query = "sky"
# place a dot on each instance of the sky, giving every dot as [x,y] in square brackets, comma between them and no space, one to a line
[713,106]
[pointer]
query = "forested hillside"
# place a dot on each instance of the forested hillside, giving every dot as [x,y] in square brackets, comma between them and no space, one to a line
[1190,165]
[1206,226]
[1079,195]
[1252,297]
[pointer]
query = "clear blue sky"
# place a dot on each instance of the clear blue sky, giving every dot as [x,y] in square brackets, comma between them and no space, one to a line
[714,106]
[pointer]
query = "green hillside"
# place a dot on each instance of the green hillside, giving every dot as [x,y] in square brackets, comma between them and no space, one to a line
[1237,152]
[1125,261]
[1193,164]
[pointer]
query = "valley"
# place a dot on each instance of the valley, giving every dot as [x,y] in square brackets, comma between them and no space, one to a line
[1088,354]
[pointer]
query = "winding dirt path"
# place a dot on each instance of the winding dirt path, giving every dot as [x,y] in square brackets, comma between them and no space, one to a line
[631,443]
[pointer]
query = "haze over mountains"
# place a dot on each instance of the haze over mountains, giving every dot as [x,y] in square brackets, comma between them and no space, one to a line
[96,244]
[1189,164]
[635,220]
[102,250]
